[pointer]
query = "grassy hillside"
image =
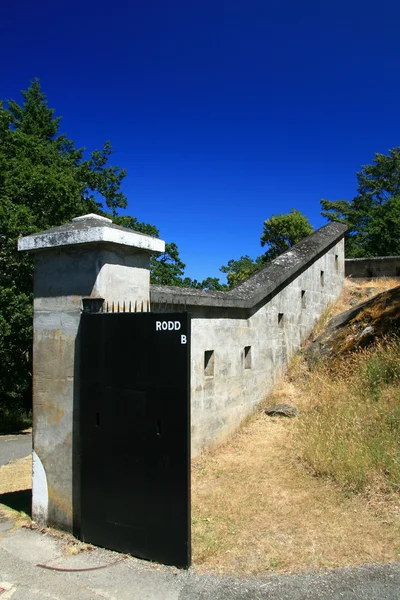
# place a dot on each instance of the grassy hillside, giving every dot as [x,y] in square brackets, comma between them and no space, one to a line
[322,489]
[350,424]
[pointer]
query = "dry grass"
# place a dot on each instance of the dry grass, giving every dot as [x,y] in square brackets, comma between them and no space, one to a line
[257,505]
[354,292]
[16,476]
[256,509]
[350,426]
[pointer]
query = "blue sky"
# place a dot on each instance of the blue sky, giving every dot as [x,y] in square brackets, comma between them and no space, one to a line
[222,112]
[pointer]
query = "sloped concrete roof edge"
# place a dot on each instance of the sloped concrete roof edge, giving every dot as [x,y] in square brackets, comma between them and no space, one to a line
[262,284]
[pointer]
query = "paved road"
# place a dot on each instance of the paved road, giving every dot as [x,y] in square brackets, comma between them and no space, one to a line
[131,579]
[14,446]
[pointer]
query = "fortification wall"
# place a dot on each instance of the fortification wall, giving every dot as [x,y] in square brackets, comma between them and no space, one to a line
[375,267]
[242,340]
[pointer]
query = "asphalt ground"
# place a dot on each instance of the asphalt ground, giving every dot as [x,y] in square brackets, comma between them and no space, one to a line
[126,578]
[13,447]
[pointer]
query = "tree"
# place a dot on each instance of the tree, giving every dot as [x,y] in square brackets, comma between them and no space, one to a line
[239,270]
[44,182]
[210,283]
[165,269]
[373,216]
[280,233]
[283,231]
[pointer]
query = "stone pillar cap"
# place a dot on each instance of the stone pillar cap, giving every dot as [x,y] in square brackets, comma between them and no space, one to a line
[92,216]
[90,229]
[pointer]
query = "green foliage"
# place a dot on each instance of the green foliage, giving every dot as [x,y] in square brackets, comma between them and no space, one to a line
[239,270]
[283,231]
[373,216]
[210,283]
[44,182]
[15,345]
[280,233]
[379,371]
[165,269]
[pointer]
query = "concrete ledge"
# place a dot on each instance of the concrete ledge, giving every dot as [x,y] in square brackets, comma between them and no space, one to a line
[90,229]
[372,267]
[262,284]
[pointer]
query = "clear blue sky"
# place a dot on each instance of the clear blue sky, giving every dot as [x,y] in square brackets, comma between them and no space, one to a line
[223,111]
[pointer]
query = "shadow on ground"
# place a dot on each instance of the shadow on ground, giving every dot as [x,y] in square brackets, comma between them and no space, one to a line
[20,501]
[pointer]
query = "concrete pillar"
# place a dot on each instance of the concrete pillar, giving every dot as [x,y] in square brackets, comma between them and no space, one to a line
[87,258]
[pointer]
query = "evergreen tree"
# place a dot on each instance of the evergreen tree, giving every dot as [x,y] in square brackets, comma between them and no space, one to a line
[239,270]
[283,231]
[280,233]
[45,181]
[373,216]
[165,269]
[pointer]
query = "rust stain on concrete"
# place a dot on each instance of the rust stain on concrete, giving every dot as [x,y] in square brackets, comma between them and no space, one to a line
[54,414]
[62,504]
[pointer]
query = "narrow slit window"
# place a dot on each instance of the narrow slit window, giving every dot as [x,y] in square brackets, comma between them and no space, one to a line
[247,357]
[336,263]
[209,363]
[303,298]
[280,319]
[322,278]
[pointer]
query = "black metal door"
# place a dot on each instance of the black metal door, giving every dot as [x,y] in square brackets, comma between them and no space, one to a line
[135,434]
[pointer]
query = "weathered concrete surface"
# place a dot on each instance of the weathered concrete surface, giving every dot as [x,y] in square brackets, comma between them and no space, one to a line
[373,267]
[62,279]
[252,331]
[90,229]
[271,334]
[22,550]
[262,285]
[89,258]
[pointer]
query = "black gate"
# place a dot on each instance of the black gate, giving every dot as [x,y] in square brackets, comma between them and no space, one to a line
[135,434]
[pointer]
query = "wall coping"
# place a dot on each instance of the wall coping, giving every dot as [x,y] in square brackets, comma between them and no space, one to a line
[365,258]
[262,284]
[90,229]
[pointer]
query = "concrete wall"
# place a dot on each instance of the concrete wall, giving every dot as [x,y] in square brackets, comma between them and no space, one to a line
[251,330]
[248,334]
[271,335]
[89,258]
[62,278]
[378,266]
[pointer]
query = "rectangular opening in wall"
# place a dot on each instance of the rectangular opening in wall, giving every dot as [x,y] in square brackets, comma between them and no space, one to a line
[369,273]
[397,271]
[209,363]
[247,357]
[322,278]
[303,298]
[280,319]
[336,263]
